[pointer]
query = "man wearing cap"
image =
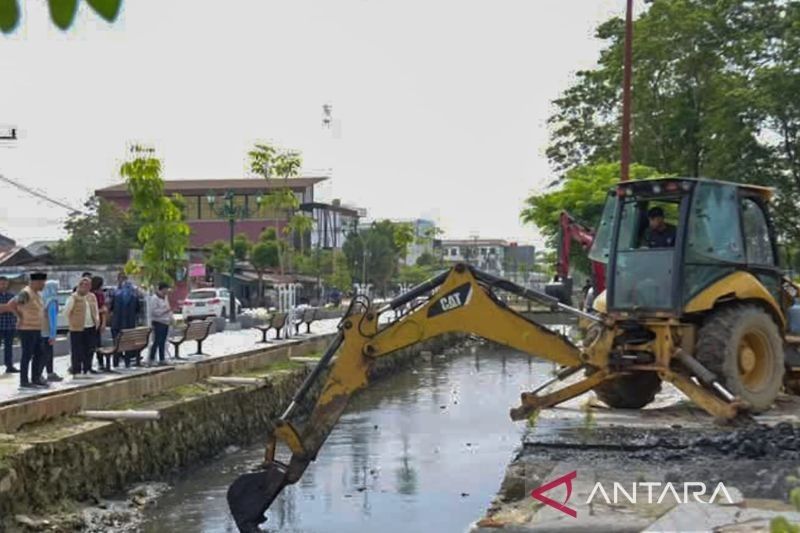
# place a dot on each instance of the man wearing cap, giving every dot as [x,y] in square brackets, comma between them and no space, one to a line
[8,325]
[29,308]
[658,234]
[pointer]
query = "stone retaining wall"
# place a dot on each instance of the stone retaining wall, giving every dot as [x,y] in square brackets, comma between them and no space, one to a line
[73,459]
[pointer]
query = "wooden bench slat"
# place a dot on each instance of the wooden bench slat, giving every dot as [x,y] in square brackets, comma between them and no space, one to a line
[128,340]
[195,331]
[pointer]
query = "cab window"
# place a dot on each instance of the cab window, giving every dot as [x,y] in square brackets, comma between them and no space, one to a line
[758,245]
[714,234]
[639,230]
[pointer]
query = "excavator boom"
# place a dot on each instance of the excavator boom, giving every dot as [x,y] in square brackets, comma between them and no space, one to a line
[462,300]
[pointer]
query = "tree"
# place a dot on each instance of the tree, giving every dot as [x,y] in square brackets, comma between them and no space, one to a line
[104,234]
[403,237]
[266,159]
[299,225]
[427,259]
[583,195]
[219,256]
[241,247]
[413,275]
[340,277]
[263,255]
[62,12]
[163,234]
[715,86]
[375,253]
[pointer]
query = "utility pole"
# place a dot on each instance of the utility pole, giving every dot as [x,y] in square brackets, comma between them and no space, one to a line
[232,212]
[626,93]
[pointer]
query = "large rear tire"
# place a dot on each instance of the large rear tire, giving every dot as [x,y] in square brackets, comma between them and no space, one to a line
[631,391]
[742,346]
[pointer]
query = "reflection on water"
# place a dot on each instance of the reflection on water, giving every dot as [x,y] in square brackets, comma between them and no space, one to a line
[424,450]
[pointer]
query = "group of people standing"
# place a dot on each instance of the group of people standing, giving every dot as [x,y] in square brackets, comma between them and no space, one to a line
[33,316]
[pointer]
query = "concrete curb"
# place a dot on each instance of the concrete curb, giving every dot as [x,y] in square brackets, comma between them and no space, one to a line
[17,412]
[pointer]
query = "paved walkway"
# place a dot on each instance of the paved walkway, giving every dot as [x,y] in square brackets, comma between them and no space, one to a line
[217,345]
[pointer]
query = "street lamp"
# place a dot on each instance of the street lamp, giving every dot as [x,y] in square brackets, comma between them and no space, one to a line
[229,210]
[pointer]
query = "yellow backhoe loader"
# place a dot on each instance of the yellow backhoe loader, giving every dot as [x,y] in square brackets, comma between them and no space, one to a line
[705,310]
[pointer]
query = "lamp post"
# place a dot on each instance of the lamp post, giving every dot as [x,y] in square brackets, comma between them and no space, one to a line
[229,210]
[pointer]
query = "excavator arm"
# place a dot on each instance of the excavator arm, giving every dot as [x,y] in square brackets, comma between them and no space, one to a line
[462,301]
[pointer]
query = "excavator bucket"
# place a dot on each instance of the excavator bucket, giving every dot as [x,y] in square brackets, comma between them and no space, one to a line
[251,494]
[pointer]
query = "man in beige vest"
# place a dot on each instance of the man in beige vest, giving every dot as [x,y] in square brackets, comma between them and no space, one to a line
[84,319]
[29,308]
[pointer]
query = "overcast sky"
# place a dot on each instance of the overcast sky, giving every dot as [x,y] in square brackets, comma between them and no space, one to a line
[441,104]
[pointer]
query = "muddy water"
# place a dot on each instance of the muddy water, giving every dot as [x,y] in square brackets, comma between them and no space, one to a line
[424,450]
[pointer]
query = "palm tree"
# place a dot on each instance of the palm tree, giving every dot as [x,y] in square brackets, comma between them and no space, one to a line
[299,225]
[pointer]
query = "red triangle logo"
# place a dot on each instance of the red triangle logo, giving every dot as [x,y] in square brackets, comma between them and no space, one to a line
[538,494]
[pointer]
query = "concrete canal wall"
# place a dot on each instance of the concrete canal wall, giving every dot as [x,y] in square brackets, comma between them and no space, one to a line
[72,459]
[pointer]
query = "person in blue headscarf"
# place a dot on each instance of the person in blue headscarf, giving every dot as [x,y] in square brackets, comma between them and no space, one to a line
[50,327]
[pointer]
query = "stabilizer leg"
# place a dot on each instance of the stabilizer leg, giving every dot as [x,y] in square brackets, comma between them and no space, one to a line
[531,402]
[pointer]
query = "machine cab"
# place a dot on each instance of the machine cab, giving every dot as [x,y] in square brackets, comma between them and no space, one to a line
[666,240]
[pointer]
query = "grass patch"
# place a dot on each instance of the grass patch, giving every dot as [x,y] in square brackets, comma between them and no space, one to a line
[6,450]
[277,366]
[192,390]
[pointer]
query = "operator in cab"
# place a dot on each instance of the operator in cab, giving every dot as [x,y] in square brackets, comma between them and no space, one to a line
[659,234]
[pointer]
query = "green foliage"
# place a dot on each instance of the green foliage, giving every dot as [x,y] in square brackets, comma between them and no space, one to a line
[62,12]
[261,157]
[782,525]
[264,255]
[794,497]
[427,259]
[340,277]
[163,234]
[266,160]
[268,234]
[241,247]
[373,252]
[583,195]
[715,85]
[104,234]
[403,237]
[300,225]
[219,258]
[413,274]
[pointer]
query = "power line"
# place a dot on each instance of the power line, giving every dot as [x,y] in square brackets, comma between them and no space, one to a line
[41,195]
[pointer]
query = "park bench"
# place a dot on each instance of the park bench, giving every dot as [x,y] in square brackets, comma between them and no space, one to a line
[277,321]
[309,315]
[197,330]
[129,341]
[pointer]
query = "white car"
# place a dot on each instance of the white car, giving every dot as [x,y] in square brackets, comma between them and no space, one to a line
[204,303]
[63,323]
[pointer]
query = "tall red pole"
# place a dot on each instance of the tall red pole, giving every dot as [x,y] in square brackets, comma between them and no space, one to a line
[626,94]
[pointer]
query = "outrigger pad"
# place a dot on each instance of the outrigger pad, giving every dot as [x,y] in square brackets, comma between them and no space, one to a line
[251,494]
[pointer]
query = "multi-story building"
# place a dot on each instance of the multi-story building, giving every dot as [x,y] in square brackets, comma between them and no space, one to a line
[519,263]
[333,222]
[486,254]
[206,225]
[496,256]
